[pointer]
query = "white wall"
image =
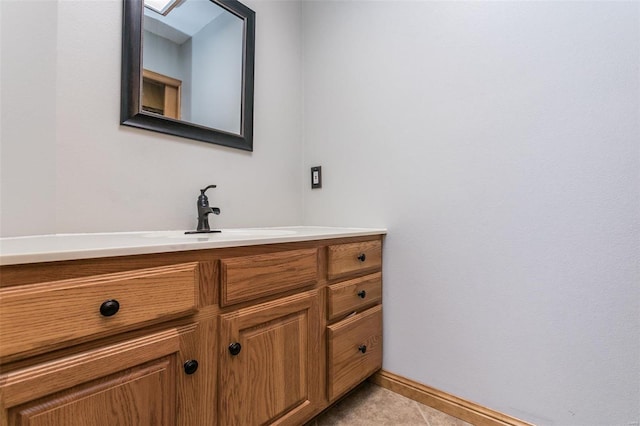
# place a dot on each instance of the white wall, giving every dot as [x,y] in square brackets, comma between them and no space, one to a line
[68,165]
[499,143]
[28,117]
[217,71]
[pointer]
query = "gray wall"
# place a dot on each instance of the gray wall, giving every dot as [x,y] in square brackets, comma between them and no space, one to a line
[163,56]
[217,73]
[499,143]
[28,163]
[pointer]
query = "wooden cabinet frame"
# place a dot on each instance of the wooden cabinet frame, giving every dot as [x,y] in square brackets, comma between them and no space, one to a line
[169,99]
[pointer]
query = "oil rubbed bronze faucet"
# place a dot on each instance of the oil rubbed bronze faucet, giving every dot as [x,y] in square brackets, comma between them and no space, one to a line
[203,213]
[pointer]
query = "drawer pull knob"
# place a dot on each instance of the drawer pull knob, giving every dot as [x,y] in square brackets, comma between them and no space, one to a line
[109,308]
[235,348]
[190,366]
[362,294]
[362,348]
[362,257]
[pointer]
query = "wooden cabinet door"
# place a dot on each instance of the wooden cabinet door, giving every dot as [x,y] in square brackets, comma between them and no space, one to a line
[273,377]
[130,384]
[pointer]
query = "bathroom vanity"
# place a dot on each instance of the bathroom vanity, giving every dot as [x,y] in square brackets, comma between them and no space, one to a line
[245,327]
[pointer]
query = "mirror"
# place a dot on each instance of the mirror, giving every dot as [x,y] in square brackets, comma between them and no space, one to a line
[187,69]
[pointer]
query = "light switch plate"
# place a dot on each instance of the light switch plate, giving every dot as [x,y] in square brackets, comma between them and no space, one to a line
[316,177]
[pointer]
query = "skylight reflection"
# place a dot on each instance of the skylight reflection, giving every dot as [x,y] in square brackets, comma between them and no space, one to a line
[162,7]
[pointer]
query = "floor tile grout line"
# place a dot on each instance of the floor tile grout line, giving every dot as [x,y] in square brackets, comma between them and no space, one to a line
[417,405]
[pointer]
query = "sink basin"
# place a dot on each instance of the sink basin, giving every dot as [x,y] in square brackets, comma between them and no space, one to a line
[258,232]
[176,234]
[226,233]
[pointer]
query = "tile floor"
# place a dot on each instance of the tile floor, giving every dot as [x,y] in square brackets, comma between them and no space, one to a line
[372,405]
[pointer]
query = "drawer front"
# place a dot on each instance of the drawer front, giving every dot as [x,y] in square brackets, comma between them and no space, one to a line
[355,350]
[52,313]
[251,277]
[345,259]
[354,295]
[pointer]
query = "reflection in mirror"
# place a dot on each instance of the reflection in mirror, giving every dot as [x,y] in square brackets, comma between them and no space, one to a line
[188,69]
[197,44]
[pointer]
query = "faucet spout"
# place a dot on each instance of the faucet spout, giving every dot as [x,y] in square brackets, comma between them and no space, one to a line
[203,217]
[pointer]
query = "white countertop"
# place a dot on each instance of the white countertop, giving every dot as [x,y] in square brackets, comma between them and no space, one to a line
[50,248]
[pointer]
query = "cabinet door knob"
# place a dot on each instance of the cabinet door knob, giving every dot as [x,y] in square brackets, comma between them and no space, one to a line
[235,348]
[362,257]
[362,348]
[362,294]
[190,366]
[109,308]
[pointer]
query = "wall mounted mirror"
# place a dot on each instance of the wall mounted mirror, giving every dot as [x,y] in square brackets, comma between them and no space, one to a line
[187,69]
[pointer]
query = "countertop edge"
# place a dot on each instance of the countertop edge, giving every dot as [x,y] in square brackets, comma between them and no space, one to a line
[153,247]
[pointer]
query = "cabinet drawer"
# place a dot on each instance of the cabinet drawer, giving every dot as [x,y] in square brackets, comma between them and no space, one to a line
[353,295]
[251,277]
[345,259]
[355,350]
[51,313]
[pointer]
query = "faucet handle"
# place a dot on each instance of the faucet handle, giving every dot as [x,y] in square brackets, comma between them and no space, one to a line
[202,191]
[203,200]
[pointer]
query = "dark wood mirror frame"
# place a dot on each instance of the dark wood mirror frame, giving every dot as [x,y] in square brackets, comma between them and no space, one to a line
[131,113]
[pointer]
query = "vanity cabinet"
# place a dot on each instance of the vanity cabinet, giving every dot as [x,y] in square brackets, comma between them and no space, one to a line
[354,313]
[255,335]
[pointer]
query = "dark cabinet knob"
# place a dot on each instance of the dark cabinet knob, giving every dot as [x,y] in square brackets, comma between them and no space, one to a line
[190,366]
[362,294]
[362,257]
[362,348]
[235,348]
[109,308]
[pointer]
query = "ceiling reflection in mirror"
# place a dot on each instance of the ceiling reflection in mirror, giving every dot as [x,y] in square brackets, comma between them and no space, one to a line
[193,63]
